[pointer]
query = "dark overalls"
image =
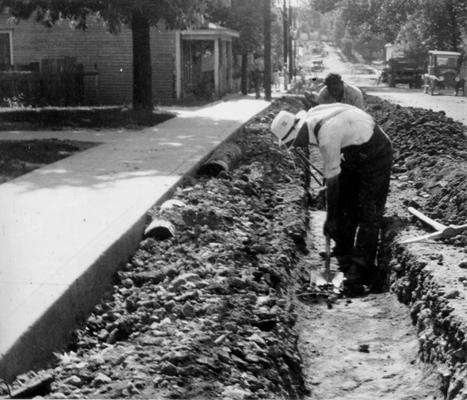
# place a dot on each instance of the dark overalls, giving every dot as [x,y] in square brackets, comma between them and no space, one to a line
[363,189]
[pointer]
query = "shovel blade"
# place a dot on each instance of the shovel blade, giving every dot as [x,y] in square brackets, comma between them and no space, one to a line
[321,280]
[338,280]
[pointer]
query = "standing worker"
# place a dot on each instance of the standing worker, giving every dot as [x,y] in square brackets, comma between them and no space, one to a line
[257,74]
[357,158]
[336,90]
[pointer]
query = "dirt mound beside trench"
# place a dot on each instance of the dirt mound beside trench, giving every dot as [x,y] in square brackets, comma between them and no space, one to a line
[430,160]
[430,276]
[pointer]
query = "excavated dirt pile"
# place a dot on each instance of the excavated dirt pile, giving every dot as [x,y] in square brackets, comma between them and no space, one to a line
[430,276]
[430,157]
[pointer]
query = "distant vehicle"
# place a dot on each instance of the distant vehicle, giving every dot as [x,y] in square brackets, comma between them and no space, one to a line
[317,65]
[443,71]
[402,70]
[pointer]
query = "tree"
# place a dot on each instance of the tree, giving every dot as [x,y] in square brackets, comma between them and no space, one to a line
[267,49]
[393,14]
[367,42]
[139,15]
[410,39]
[443,22]
[434,25]
[245,16]
[324,6]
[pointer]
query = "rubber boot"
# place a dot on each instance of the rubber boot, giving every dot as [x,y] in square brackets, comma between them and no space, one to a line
[353,284]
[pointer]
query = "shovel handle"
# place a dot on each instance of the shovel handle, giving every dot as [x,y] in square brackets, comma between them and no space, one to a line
[447,232]
[327,262]
[328,246]
[436,225]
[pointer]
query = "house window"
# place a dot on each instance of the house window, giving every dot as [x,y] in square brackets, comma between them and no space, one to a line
[6,56]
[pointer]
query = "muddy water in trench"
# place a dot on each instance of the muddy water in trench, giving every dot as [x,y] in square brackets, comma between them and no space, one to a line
[362,348]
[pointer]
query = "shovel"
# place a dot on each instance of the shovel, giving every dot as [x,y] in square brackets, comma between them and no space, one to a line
[442,231]
[328,276]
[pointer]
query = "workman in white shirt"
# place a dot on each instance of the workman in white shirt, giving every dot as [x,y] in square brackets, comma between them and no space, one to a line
[357,158]
[257,73]
[337,91]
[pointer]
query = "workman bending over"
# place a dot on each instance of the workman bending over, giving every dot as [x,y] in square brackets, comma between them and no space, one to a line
[357,157]
[337,91]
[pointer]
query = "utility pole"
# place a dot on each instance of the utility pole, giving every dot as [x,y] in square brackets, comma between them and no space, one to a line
[286,41]
[290,46]
[267,49]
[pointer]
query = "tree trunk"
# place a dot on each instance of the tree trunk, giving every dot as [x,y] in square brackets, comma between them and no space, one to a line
[142,74]
[267,49]
[290,46]
[455,38]
[286,42]
[244,82]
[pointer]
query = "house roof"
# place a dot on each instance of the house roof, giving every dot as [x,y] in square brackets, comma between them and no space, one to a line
[211,32]
[444,53]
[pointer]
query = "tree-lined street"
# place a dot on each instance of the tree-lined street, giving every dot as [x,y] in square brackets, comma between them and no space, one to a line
[366,76]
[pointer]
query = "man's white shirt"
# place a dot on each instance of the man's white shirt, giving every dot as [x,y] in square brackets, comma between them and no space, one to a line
[342,125]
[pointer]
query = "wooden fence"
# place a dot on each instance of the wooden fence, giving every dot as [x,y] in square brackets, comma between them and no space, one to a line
[58,82]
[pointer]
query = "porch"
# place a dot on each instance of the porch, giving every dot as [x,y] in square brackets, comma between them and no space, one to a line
[204,63]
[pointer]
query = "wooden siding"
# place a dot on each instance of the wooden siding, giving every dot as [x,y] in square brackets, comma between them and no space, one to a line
[112,54]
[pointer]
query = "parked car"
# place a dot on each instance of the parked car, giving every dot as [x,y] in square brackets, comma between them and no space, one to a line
[443,71]
[402,70]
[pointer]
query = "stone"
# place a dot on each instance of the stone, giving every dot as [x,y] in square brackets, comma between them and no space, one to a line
[167,368]
[453,294]
[58,395]
[128,283]
[157,381]
[74,380]
[101,379]
[188,310]
[113,336]
[102,335]
[257,339]
[169,306]
[364,348]
[181,280]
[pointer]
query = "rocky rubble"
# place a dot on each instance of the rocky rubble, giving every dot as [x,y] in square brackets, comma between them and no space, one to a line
[429,174]
[430,158]
[206,313]
[435,292]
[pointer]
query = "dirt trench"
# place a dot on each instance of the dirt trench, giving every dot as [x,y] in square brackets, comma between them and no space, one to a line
[361,348]
[213,313]
[409,343]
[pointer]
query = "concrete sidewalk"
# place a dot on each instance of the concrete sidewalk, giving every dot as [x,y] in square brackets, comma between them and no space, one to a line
[67,227]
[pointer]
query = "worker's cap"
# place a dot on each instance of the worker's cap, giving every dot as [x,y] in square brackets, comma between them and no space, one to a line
[333,79]
[286,126]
